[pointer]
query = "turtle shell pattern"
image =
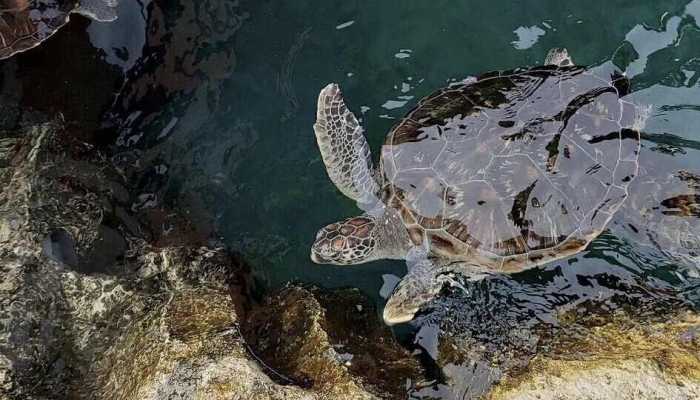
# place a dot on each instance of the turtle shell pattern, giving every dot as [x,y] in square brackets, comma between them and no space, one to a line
[513,169]
[26,23]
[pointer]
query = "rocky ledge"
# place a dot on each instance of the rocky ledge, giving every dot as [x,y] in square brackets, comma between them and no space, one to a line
[91,308]
[619,360]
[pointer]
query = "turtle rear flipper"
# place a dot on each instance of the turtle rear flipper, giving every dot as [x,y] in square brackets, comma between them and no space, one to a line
[99,10]
[344,149]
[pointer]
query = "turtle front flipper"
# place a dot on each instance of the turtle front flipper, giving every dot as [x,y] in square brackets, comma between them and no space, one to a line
[99,10]
[417,288]
[344,149]
[424,280]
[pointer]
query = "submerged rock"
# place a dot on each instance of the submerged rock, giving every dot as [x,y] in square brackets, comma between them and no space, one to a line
[46,191]
[91,308]
[187,346]
[332,342]
[32,331]
[620,360]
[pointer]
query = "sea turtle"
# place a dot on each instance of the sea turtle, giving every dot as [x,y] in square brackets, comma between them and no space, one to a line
[24,24]
[495,174]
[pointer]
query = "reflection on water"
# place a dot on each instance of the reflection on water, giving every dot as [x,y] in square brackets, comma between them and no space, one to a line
[215,116]
[215,137]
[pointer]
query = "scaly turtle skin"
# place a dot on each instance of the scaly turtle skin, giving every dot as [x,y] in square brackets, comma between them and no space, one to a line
[24,24]
[493,175]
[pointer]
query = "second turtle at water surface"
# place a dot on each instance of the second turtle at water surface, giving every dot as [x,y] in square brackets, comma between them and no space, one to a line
[24,24]
[496,174]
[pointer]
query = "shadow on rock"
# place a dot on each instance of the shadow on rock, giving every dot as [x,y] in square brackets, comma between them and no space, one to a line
[330,341]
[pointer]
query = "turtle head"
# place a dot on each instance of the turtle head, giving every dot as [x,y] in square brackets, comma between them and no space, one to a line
[352,241]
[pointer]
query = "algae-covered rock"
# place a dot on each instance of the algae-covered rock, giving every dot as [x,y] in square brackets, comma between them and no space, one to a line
[32,331]
[331,342]
[187,346]
[94,305]
[59,195]
[50,210]
[288,333]
[619,360]
[371,352]
[623,380]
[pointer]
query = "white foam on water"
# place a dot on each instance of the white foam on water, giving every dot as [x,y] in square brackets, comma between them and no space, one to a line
[393,104]
[345,25]
[527,37]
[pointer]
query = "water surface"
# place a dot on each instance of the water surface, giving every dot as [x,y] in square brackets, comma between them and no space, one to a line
[216,111]
[233,135]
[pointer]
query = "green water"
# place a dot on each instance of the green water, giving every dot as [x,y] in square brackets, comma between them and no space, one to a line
[216,114]
[393,51]
[234,128]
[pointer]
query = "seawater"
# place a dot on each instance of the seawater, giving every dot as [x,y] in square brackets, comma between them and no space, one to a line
[216,110]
